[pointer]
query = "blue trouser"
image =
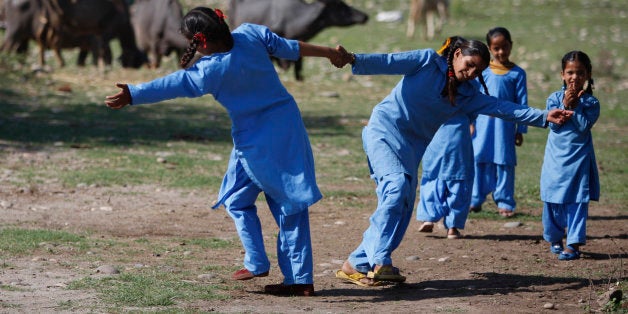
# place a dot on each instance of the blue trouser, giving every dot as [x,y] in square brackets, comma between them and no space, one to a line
[294,247]
[444,198]
[395,201]
[558,217]
[499,179]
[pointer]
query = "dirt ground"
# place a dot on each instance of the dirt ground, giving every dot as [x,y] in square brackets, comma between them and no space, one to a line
[494,268]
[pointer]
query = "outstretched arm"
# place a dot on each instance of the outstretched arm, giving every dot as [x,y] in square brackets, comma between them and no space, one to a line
[121,99]
[339,57]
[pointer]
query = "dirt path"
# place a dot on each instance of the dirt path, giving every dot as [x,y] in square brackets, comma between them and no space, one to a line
[495,267]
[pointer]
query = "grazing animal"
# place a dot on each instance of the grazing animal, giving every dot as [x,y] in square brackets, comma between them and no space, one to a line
[105,19]
[59,24]
[156,24]
[295,19]
[431,13]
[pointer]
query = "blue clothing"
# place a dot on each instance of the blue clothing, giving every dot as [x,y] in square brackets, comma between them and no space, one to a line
[572,217]
[447,175]
[398,132]
[498,179]
[294,245]
[271,150]
[269,137]
[569,173]
[494,138]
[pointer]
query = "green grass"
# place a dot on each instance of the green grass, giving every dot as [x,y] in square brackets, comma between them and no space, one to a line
[17,242]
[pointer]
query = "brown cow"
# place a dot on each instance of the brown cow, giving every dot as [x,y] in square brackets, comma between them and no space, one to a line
[431,13]
[104,19]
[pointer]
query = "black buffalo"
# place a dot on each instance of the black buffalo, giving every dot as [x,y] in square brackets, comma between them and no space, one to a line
[295,19]
[156,24]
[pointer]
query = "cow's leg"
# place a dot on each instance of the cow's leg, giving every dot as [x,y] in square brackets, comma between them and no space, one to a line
[42,55]
[298,66]
[413,16]
[59,56]
[82,56]
[429,25]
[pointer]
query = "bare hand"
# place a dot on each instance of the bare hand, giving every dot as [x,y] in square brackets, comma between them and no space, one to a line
[572,97]
[518,139]
[341,57]
[119,100]
[559,116]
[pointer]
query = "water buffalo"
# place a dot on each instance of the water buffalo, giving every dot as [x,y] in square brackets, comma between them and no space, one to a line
[295,19]
[156,24]
[105,19]
[59,24]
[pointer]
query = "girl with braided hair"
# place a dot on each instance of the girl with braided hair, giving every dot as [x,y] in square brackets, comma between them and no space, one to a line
[271,153]
[569,176]
[435,87]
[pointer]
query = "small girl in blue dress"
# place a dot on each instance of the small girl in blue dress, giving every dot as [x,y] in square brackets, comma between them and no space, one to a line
[447,178]
[494,139]
[569,177]
[271,153]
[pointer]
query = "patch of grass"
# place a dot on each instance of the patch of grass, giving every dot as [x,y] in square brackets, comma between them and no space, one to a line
[16,242]
[148,288]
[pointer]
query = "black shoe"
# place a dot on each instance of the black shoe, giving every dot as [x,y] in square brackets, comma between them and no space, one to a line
[305,290]
[475,209]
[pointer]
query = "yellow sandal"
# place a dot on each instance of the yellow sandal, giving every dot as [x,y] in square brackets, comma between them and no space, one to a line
[386,273]
[356,278]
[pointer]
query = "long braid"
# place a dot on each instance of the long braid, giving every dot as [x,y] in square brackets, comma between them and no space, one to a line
[189,53]
[452,85]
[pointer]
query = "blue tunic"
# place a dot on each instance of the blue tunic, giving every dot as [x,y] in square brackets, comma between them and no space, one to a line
[449,156]
[402,125]
[269,136]
[569,173]
[494,139]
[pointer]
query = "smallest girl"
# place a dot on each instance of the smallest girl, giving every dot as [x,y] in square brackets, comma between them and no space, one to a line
[569,177]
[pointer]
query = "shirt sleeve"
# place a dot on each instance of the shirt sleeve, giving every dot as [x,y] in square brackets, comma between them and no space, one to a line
[586,114]
[400,63]
[276,45]
[510,111]
[191,82]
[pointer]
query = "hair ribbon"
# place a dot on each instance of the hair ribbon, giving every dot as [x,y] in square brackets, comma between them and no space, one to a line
[220,15]
[200,37]
[445,46]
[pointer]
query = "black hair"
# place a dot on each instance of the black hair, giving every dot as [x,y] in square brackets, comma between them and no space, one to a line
[581,57]
[498,31]
[468,48]
[210,24]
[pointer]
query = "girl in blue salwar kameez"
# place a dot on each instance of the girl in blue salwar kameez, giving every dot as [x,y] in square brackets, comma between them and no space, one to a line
[271,150]
[435,86]
[569,177]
